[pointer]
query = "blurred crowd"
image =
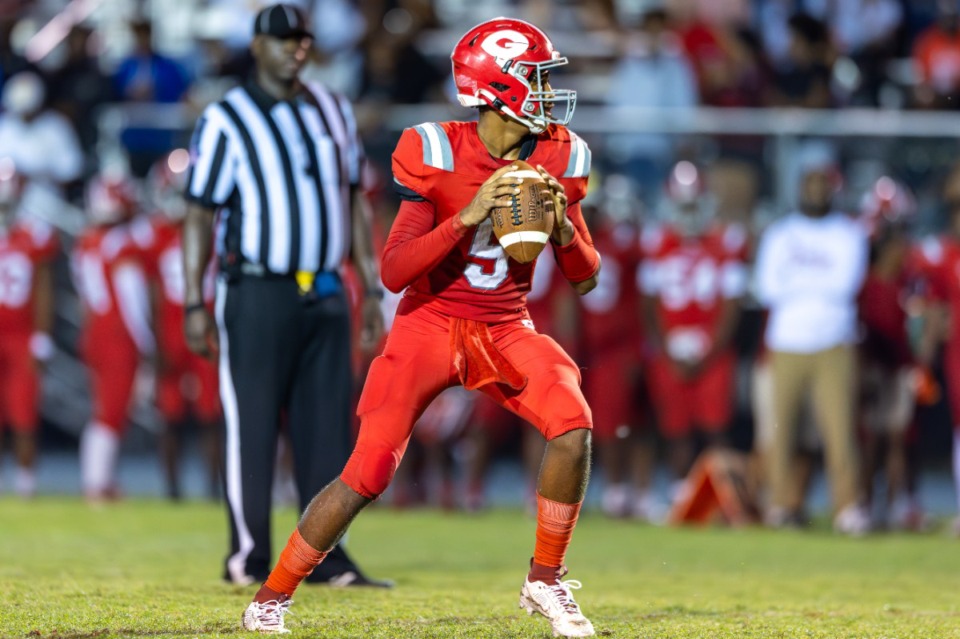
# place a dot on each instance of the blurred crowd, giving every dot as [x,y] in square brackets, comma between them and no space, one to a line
[683,343]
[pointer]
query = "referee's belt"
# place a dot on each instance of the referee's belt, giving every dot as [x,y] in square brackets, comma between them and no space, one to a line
[309,283]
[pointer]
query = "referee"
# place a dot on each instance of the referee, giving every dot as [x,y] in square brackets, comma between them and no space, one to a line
[276,166]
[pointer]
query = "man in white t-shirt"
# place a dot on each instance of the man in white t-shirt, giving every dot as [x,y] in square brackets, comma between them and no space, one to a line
[810,267]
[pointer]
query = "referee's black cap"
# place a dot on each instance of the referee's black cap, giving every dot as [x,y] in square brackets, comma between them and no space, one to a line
[282,21]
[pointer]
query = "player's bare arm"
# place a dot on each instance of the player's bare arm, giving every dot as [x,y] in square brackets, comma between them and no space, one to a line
[493,193]
[198,326]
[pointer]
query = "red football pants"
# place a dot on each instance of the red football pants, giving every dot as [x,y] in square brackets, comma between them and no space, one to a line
[19,384]
[189,382]
[418,363]
[704,402]
[113,366]
[608,383]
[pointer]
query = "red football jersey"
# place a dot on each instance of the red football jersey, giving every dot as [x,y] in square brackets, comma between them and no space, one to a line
[25,245]
[690,277]
[884,319]
[158,239]
[98,253]
[445,163]
[610,313]
[939,265]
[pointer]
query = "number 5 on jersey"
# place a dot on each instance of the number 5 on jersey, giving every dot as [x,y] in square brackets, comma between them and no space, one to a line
[487,266]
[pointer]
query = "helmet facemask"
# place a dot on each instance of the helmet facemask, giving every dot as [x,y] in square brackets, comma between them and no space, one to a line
[541,108]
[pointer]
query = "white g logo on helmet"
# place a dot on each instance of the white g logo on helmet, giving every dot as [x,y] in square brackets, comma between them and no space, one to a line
[506,44]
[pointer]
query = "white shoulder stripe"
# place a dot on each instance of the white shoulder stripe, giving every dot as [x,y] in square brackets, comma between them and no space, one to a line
[579,164]
[437,151]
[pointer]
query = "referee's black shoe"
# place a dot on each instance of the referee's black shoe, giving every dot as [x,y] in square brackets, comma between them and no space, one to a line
[340,571]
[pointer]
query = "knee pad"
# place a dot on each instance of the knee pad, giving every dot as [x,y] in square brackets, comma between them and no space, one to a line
[567,409]
[370,469]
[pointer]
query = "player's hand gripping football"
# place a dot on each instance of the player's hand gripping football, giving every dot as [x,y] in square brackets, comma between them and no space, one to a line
[562,228]
[201,333]
[493,193]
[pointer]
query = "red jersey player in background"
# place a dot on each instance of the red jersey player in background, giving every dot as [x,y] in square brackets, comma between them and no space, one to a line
[463,320]
[186,383]
[941,265]
[692,276]
[610,341]
[888,370]
[27,247]
[116,327]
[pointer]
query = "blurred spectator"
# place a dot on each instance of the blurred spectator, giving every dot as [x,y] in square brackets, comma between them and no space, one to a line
[723,57]
[810,267]
[40,141]
[146,76]
[652,71]
[395,70]
[866,31]
[78,87]
[805,79]
[936,54]
[11,62]
[27,248]
[692,276]
[116,330]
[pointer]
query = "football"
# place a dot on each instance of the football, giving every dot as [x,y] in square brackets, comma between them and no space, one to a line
[524,227]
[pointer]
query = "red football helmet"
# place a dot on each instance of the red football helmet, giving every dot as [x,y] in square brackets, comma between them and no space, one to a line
[888,202]
[111,197]
[166,182]
[501,63]
[12,184]
[685,185]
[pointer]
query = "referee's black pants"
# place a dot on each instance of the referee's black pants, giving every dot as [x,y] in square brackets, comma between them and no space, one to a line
[282,357]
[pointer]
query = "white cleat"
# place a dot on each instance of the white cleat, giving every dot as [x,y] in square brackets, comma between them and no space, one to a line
[555,602]
[266,617]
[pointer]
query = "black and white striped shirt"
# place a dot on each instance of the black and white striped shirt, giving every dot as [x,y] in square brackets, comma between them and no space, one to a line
[280,171]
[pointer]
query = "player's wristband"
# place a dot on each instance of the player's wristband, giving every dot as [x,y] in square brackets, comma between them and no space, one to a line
[190,308]
[578,261]
[41,346]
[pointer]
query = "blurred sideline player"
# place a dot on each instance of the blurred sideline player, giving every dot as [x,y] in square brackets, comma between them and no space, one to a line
[888,370]
[941,258]
[610,339]
[116,325]
[692,277]
[187,387]
[462,320]
[27,247]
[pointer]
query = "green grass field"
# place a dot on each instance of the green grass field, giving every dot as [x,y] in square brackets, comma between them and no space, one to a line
[148,569]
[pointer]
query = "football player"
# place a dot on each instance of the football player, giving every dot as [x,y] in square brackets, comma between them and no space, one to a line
[610,340]
[463,320]
[27,248]
[888,373]
[116,328]
[692,276]
[186,383]
[941,257]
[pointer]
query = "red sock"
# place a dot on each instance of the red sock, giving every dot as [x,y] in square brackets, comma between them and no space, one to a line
[555,523]
[297,560]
